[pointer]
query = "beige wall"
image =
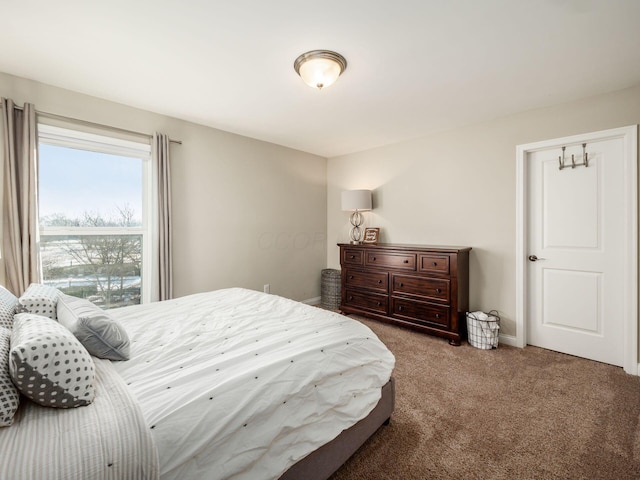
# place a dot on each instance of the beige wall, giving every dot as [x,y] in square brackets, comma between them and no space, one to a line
[246,213]
[458,188]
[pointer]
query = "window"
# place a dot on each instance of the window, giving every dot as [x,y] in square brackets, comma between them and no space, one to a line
[94,224]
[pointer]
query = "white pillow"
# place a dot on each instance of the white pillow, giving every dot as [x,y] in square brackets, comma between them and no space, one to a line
[48,364]
[8,303]
[40,299]
[100,333]
[9,396]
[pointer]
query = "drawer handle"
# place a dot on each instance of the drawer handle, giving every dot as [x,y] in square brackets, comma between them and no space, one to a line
[374,259]
[379,281]
[378,303]
[350,297]
[350,277]
[352,256]
[438,315]
[401,284]
[435,264]
[406,261]
[438,290]
[400,308]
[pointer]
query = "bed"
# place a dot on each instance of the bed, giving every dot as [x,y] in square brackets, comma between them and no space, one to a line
[225,384]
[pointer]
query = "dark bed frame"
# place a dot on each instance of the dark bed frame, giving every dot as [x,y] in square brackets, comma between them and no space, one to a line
[322,463]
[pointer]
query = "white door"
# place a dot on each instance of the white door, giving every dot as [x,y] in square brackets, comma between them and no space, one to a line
[575,249]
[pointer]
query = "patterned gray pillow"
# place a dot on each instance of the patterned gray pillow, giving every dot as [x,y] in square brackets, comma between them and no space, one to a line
[40,299]
[9,396]
[100,333]
[48,364]
[8,303]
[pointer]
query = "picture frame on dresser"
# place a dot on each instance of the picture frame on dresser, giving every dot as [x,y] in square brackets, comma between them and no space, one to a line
[371,235]
[422,287]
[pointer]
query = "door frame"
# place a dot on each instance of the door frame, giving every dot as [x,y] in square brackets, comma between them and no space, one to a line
[629,135]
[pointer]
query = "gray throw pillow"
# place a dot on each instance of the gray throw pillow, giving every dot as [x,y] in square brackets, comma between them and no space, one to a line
[9,396]
[100,333]
[40,299]
[8,303]
[48,364]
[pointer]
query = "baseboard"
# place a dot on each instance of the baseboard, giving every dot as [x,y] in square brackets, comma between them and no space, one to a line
[312,301]
[507,340]
[504,339]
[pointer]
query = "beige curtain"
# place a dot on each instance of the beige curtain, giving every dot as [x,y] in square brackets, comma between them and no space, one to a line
[162,178]
[20,203]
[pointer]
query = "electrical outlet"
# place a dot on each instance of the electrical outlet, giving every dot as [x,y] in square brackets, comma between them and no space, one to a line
[267,288]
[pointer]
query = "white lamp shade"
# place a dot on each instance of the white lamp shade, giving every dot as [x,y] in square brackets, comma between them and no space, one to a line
[320,72]
[353,200]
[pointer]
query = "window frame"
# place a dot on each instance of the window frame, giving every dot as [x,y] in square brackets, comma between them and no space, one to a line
[69,137]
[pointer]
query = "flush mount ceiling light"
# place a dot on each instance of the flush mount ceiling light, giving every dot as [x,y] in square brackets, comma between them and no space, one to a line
[320,68]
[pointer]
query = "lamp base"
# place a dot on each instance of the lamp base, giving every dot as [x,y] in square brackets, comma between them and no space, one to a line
[356,231]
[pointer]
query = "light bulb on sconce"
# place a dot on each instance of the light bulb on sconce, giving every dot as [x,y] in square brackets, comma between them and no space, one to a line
[356,201]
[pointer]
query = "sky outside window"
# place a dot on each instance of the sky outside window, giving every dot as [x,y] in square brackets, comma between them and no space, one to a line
[73,182]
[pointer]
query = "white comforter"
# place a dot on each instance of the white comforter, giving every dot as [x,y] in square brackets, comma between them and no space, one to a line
[240,384]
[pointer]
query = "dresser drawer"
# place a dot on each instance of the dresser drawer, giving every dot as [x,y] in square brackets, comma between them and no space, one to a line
[431,288]
[401,261]
[378,281]
[352,257]
[419,312]
[369,301]
[434,264]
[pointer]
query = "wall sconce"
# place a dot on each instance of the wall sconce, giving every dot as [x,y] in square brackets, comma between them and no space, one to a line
[320,68]
[356,201]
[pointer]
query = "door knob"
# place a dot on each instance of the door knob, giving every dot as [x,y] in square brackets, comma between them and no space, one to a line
[533,258]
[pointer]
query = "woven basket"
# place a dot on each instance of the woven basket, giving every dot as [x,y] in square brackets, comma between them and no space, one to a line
[330,289]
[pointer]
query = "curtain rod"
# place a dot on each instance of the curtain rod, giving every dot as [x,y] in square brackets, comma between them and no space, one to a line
[87,123]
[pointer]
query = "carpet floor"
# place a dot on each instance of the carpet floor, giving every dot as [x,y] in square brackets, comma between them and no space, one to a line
[508,413]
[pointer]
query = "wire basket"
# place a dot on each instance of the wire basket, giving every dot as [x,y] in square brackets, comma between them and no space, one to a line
[330,297]
[483,329]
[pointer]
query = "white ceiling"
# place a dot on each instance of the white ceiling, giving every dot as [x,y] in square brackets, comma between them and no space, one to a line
[414,66]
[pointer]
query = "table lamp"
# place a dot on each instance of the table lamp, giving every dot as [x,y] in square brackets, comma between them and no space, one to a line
[356,201]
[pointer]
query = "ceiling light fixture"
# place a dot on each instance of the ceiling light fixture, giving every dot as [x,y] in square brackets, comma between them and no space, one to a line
[320,68]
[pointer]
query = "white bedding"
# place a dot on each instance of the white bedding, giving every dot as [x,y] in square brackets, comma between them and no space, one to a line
[240,384]
[107,440]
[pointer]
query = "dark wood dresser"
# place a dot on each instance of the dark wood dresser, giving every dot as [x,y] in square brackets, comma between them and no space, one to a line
[422,287]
